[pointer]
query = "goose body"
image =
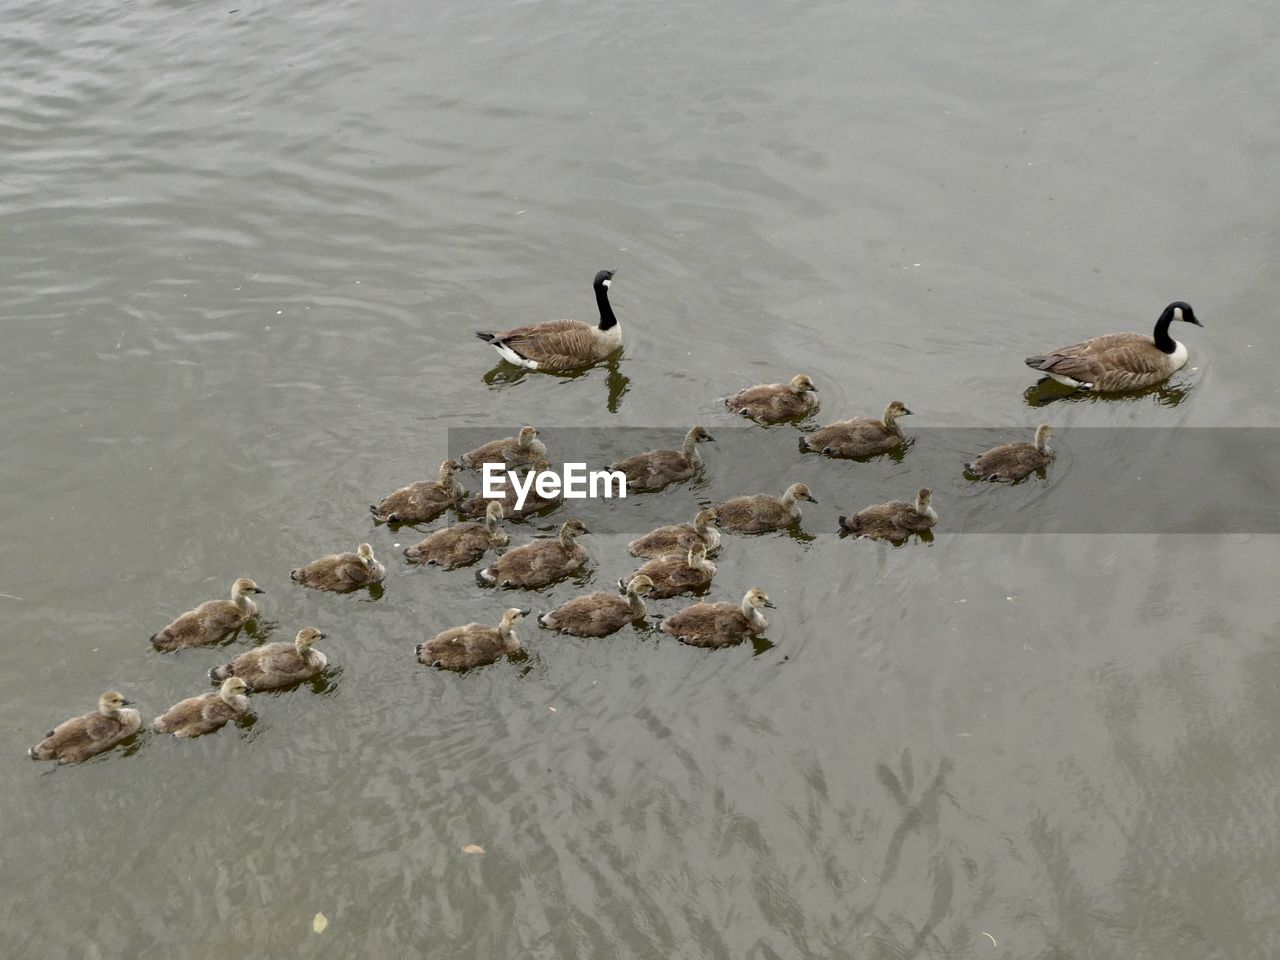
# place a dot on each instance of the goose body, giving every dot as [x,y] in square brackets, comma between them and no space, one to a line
[673,574]
[461,544]
[562,344]
[719,624]
[1117,362]
[341,572]
[475,506]
[519,451]
[276,665]
[422,501]
[212,621]
[677,538]
[472,645]
[771,402]
[1014,461]
[539,563]
[599,614]
[206,713]
[894,521]
[860,436]
[760,512]
[83,737]
[655,469]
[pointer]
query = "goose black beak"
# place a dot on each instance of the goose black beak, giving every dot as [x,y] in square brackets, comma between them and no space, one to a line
[1197,322]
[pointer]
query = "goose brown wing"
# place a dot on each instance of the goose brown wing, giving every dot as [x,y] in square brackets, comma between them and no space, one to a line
[556,342]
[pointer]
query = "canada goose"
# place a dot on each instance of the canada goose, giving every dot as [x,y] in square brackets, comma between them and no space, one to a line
[599,614]
[771,402]
[673,574]
[276,665]
[472,645]
[1014,461]
[206,713]
[562,344]
[1121,361]
[893,521]
[421,501]
[462,543]
[654,469]
[475,506]
[677,537]
[760,512]
[341,572]
[212,620]
[83,737]
[719,624]
[540,562]
[519,451]
[859,437]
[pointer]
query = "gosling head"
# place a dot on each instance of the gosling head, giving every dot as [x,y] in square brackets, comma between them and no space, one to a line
[243,587]
[699,435]
[365,553]
[706,518]
[757,598]
[573,527]
[896,409]
[801,383]
[1043,433]
[924,500]
[640,585]
[512,616]
[233,687]
[494,511]
[697,553]
[111,702]
[1181,310]
[448,468]
[603,279]
[528,435]
[306,639]
[799,491]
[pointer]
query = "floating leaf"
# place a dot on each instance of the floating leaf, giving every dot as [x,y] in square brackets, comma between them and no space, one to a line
[474,848]
[320,923]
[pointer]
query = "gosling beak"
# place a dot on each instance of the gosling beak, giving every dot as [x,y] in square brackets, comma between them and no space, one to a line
[771,605]
[128,703]
[258,590]
[248,688]
[906,412]
[525,613]
[322,636]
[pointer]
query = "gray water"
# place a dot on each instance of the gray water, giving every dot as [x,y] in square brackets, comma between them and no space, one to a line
[242,251]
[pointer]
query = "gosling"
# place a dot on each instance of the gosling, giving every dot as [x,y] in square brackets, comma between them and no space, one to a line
[894,521]
[1011,462]
[719,624]
[678,537]
[341,572]
[473,645]
[755,514]
[672,574]
[422,501]
[276,665]
[539,563]
[463,543]
[771,402]
[518,451]
[655,469]
[80,738]
[859,437]
[599,614]
[212,621]
[196,716]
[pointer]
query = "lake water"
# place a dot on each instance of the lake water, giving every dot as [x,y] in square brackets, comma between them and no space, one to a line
[242,254]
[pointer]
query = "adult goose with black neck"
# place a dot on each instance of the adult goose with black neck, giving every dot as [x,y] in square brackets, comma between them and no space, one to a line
[1116,362]
[562,344]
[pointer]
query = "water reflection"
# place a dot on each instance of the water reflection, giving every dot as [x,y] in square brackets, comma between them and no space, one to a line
[617,383]
[1049,391]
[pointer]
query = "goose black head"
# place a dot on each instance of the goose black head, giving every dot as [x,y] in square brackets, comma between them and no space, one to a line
[1181,310]
[603,279]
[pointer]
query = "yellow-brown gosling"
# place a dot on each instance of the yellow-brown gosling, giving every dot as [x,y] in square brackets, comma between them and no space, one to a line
[754,514]
[719,624]
[476,505]
[540,562]
[678,537]
[421,501]
[472,645]
[859,437]
[894,521]
[654,469]
[599,614]
[276,665]
[562,344]
[206,713]
[462,543]
[771,402]
[83,737]
[520,451]
[1014,461]
[1117,362]
[341,572]
[212,621]
[673,574]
